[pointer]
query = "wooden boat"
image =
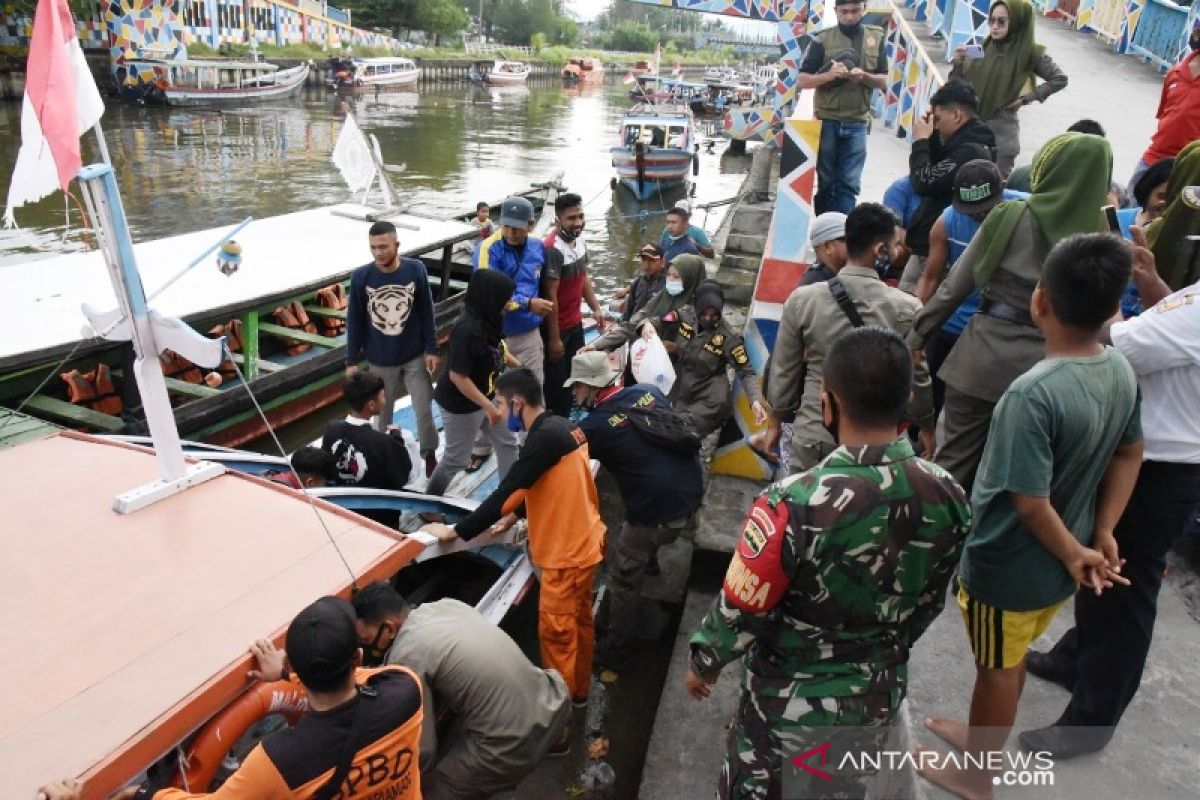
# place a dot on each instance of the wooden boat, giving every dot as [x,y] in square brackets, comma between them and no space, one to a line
[380,73]
[288,259]
[583,70]
[191,82]
[656,149]
[499,72]
[717,98]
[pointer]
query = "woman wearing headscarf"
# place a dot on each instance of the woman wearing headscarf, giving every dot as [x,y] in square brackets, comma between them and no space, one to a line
[1177,256]
[1004,79]
[465,391]
[1150,194]
[1070,180]
[661,311]
[704,349]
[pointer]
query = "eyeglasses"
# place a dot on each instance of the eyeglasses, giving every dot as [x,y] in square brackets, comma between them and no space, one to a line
[997,20]
[648,256]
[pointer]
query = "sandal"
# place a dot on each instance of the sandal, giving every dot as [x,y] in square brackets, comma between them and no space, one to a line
[476,464]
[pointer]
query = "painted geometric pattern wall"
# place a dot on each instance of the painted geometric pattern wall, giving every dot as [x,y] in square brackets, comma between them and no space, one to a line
[15,31]
[143,27]
[171,25]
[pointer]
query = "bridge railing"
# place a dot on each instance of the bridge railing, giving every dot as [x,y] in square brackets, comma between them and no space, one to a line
[1154,30]
[1161,33]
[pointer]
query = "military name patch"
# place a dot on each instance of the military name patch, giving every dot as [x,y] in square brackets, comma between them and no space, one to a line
[739,355]
[748,588]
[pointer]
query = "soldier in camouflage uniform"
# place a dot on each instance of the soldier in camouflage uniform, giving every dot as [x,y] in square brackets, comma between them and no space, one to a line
[840,569]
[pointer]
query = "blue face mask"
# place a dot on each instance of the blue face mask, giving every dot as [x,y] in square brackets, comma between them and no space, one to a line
[515,423]
[674,287]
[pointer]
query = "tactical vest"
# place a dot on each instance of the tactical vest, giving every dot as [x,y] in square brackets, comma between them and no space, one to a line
[846,101]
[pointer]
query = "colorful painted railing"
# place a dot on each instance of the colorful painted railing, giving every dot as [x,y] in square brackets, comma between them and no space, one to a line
[1105,18]
[1162,32]
[1154,30]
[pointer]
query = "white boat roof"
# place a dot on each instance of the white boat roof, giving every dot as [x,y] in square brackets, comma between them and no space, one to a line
[195,63]
[125,632]
[382,60]
[280,255]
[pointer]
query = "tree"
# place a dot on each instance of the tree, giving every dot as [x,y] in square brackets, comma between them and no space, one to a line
[568,32]
[632,37]
[440,17]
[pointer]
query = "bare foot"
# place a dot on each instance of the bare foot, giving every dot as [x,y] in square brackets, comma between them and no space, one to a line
[951,731]
[967,784]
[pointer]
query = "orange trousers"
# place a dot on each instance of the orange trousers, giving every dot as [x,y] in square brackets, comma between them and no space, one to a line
[566,630]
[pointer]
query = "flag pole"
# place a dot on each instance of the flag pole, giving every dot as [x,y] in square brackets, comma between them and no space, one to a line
[101,144]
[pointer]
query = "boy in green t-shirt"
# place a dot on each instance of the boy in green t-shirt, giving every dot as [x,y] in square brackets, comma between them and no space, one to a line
[1062,456]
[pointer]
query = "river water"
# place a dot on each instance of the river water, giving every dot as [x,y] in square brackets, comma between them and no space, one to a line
[181,169]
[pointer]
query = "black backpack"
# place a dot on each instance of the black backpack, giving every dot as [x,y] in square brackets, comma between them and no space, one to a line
[666,428]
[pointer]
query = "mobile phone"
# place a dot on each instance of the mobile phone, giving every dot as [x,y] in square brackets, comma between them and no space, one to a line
[974,51]
[1110,215]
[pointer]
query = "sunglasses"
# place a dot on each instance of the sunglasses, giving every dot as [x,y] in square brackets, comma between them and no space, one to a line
[648,256]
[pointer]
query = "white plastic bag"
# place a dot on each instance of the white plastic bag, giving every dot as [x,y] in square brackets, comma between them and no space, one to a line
[651,363]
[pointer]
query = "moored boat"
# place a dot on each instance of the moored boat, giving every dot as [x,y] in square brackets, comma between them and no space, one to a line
[380,73]
[499,72]
[656,148]
[583,70]
[190,82]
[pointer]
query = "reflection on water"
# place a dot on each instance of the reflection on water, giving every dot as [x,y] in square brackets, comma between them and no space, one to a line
[182,169]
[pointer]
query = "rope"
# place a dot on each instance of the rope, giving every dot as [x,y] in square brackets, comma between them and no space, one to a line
[291,469]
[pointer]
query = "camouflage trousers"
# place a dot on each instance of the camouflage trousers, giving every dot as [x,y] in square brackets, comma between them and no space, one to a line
[768,731]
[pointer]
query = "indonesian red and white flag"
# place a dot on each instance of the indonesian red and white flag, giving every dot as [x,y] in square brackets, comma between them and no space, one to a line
[61,104]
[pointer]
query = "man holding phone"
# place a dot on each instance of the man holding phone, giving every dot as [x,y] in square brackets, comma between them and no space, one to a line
[844,64]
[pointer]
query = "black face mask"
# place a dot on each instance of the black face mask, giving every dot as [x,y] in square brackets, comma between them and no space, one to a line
[883,263]
[376,651]
[850,30]
[832,427]
[569,236]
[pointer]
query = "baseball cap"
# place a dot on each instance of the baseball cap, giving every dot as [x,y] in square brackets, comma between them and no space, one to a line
[977,187]
[827,227]
[321,643]
[516,212]
[684,206]
[591,369]
[650,249]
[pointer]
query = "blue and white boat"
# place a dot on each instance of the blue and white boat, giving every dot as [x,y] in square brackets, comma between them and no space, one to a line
[656,149]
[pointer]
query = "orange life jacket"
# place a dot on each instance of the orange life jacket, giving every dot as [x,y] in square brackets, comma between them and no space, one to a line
[232,331]
[294,316]
[332,297]
[178,367]
[94,389]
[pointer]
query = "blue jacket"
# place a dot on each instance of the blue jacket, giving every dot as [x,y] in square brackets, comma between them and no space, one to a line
[522,264]
[658,485]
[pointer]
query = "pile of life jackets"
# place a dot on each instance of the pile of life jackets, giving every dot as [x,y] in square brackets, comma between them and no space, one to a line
[94,390]
[295,317]
[232,331]
[333,297]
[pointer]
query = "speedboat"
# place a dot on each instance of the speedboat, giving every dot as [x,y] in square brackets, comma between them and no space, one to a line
[380,73]
[656,149]
[499,72]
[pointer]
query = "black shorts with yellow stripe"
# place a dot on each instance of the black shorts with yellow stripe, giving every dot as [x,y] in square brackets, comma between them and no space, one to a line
[1000,638]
